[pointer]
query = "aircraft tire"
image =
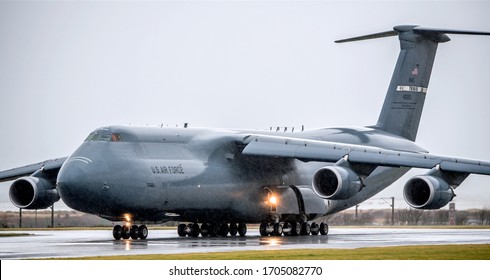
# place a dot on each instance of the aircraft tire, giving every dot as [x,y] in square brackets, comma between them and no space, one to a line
[205,227]
[142,232]
[126,232]
[117,232]
[277,229]
[233,229]
[194,230]
[133,232]
[305,229]
[296,229]
[263,229]
[223,230]
[214,230]
[323,228]
[242,229]
[181,230]
[288,227]
[315,228]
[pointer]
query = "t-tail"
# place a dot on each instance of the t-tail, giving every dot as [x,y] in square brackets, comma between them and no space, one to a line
[404,101]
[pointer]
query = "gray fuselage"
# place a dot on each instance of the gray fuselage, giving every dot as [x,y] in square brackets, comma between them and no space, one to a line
[155,174]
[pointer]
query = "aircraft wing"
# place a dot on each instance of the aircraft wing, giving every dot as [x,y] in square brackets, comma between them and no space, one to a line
[52,165]
[314,150]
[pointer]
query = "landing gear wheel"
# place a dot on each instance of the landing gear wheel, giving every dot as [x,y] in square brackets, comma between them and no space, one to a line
[133,232]
[233,229]
[223,230]
[305,229]
[181,230]
[142,232]
[117,232]
[315,229]
[242,229]
[205,229]
[287,229]
[126,232]
[214,230]
[277,229]
[323,229]
[296,229]
[263,229]
[194,230]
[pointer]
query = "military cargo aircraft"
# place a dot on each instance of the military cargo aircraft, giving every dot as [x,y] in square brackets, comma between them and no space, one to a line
[218,180]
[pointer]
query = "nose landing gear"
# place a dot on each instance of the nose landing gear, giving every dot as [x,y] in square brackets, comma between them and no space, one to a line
[133,232]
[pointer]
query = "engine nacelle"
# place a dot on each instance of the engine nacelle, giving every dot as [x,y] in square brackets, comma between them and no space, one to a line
[427,192]
[33,193]
[336,182]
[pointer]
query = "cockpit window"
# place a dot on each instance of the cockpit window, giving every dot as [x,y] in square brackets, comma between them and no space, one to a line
[102,135]
[115,137]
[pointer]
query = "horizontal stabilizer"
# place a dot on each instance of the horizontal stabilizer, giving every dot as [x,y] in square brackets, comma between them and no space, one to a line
[430,31]
[368,37]
[422,30]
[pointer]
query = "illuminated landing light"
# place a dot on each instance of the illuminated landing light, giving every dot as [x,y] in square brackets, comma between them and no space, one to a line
[127,217]
[273,200]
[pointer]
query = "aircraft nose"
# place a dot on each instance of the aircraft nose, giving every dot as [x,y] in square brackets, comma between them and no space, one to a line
[74,184]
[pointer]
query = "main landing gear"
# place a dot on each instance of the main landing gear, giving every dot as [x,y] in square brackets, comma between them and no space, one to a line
[212,229]
[292,229]
[265,229]
[133,232]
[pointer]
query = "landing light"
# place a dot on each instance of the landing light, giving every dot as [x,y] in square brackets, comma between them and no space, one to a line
[272,200]
[127,217]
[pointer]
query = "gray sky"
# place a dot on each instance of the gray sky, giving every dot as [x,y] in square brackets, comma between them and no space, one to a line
[67,68]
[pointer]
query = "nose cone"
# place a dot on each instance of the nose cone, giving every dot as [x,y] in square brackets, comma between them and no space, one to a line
[75,184]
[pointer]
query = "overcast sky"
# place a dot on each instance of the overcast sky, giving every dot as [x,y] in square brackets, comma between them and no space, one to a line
[67,68]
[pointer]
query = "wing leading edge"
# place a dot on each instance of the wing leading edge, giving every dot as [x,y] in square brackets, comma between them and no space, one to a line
[52,165]
[313,150]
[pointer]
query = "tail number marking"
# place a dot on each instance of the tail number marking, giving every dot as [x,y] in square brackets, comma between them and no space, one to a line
[412,89]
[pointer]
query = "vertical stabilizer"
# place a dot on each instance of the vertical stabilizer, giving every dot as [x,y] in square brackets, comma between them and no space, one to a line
[404,101]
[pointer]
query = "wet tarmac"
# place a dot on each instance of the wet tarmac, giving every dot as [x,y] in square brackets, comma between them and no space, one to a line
[81,243]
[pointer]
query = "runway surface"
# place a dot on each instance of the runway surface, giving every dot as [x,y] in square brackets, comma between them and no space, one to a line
[80,243]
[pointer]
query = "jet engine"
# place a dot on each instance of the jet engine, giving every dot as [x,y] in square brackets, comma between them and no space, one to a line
[336,182]
[427,192]
[33,193]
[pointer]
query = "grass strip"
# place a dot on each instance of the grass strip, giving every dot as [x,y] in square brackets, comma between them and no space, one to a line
[432,252]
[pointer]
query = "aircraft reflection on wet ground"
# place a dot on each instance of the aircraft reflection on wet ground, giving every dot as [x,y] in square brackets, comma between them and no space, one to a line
[245,243]
[82,243]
